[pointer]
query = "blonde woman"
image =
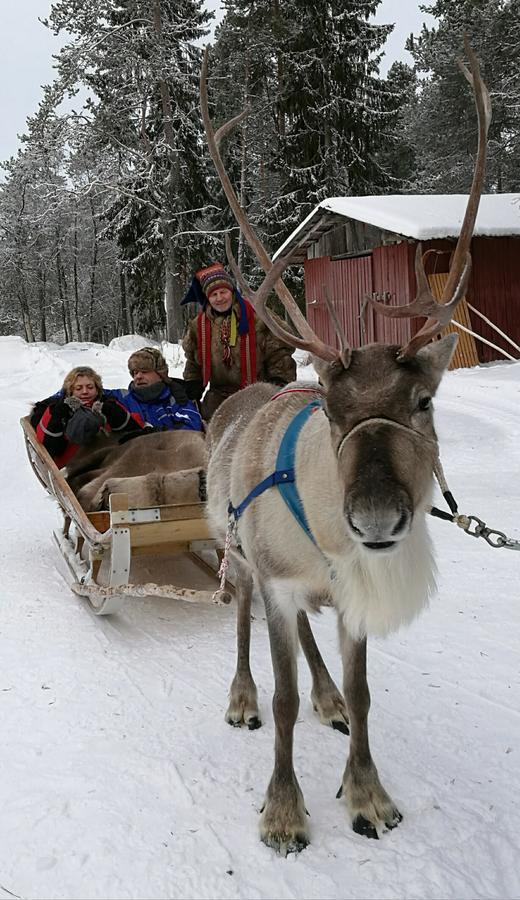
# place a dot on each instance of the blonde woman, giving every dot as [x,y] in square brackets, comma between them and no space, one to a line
[77,414]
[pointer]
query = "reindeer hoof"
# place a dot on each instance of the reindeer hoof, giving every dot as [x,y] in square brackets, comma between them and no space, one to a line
[283,847]
[341,726]
[362,826]
[252,723]
[394,821]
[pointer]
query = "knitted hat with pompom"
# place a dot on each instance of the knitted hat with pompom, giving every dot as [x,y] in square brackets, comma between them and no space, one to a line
[205,281]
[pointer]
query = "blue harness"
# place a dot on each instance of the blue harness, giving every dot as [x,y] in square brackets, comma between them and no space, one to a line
[284,476]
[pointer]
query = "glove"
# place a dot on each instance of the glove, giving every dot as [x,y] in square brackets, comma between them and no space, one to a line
[84,425]
[194,389]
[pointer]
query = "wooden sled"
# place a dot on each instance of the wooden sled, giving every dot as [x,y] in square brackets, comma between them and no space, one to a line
[102,549]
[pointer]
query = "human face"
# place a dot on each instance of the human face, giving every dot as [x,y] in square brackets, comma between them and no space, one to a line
[221,299]
[142,379]
[85,390]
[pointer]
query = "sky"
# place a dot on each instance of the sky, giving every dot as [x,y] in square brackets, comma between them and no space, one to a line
[27,49]
[122,781]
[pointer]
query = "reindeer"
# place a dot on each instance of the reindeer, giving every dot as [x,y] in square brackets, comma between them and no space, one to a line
[364,455]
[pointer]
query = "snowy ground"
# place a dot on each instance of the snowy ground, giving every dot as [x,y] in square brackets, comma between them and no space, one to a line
[119,776]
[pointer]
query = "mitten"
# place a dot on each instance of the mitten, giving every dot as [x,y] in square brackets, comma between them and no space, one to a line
[97,409]
[73,403]
[194,390]
[83,426]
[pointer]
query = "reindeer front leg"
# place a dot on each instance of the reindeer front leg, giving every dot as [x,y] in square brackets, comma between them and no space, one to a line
[368,803]
[325,697]
[284,823]
[243,702]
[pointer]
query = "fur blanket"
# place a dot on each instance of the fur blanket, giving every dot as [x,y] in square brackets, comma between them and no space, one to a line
[156,469]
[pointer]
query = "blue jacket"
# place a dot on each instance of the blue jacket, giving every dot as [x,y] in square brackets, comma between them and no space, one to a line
[164,412]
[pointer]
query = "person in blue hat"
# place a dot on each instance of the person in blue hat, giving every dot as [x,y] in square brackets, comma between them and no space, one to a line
[227,346]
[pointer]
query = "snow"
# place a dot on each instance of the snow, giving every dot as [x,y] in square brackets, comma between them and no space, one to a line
[419,216]
[120,778]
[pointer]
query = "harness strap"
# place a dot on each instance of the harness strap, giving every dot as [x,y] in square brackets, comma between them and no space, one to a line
[283,476]
[285,461]
[275,478]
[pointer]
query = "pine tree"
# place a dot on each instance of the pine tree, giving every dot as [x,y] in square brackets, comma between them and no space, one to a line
[320,114]
[443,124]
[139,63]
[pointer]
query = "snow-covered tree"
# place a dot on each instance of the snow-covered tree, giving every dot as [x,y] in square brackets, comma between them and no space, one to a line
[443,123]
[140,66]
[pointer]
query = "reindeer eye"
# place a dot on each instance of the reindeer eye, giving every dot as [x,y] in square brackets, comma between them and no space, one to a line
[424,403]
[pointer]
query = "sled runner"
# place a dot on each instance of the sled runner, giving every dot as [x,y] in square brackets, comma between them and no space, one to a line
[103,550]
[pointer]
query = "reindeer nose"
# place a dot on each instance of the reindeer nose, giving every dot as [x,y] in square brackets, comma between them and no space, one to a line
[379,525]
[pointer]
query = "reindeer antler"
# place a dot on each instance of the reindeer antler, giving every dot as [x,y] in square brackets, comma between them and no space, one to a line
[307,339]
[439,314]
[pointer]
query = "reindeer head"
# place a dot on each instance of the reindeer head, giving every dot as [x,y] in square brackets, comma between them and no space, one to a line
[383,436]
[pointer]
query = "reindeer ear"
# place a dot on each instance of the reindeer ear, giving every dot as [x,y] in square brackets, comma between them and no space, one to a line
[328,370]
[438,355]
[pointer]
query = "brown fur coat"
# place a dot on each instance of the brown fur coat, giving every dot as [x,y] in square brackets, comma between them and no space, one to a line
[274,362]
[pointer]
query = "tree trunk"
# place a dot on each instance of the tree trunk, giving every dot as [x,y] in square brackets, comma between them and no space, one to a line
[62,304]
[126,325]
[26,318]
[75,276]
[172,287]
[41,305]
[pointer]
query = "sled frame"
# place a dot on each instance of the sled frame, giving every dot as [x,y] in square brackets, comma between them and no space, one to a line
[87,539]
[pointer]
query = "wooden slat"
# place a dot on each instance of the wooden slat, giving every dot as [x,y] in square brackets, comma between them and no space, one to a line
[169,548]
[142,535]
[171,513]
[178,511]
[465,355]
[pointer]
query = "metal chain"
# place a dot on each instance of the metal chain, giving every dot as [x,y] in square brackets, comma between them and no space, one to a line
[477,528]
[471,524]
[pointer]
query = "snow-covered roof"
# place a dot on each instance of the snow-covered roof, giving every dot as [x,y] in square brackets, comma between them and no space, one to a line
[417,216]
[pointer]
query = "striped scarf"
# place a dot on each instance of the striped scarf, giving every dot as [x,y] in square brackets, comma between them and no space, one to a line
[247,344]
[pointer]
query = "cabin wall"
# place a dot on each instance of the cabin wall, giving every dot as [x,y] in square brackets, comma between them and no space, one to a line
[387,273]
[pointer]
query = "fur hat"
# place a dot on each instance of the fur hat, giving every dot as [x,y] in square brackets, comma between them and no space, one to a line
[207,280]
[148,359]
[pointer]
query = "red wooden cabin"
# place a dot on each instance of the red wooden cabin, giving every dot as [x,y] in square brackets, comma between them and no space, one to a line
[354,246]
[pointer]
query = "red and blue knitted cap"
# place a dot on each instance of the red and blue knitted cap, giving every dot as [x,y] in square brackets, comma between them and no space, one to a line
[207,280]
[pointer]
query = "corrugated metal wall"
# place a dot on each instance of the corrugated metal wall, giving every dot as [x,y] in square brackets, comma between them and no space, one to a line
[494,289]
[384,272]
[341,281]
